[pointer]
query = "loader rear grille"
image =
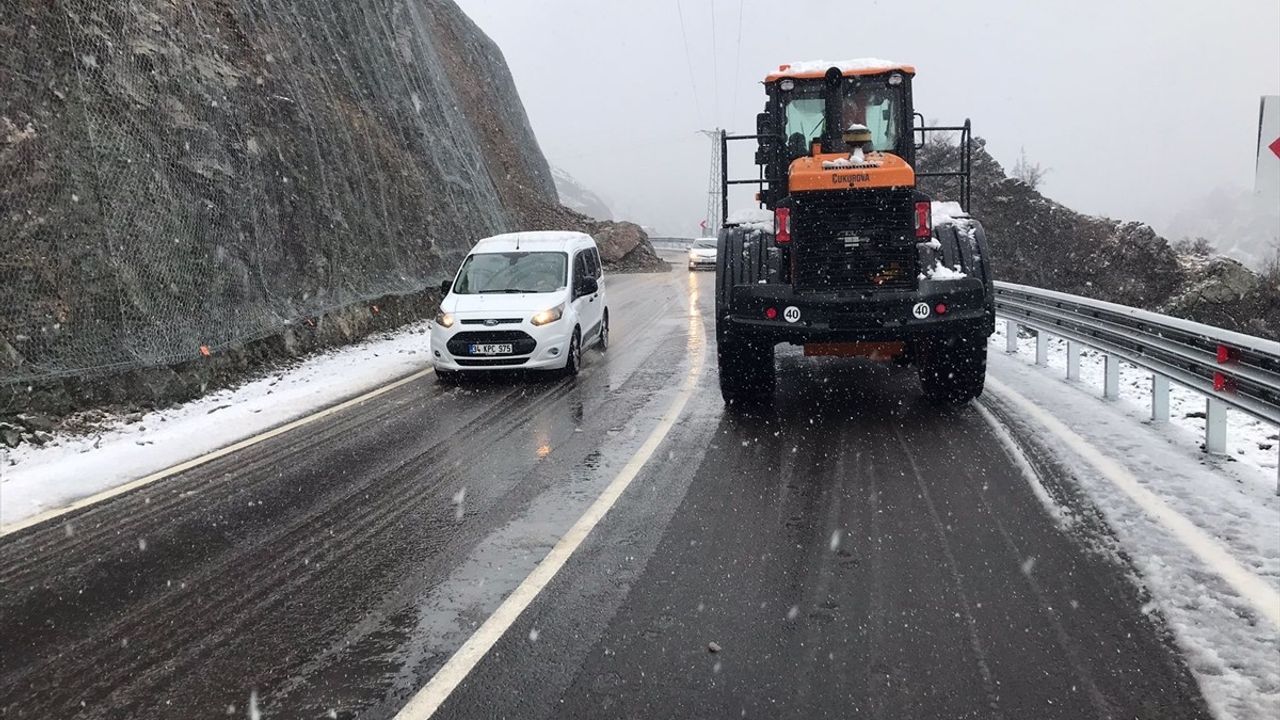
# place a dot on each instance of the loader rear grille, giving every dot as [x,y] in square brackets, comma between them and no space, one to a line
[862,240]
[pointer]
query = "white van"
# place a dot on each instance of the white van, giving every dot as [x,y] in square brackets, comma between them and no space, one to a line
[530,300]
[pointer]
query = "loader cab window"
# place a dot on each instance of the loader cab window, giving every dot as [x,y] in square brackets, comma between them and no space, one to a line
[863,101]
[876,106]
[806,121]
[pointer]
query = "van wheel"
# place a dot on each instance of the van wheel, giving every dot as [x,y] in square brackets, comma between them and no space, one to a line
[573,360]
[603,342]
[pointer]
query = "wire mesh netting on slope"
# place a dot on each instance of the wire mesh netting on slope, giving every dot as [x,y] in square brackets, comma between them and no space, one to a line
[178,174]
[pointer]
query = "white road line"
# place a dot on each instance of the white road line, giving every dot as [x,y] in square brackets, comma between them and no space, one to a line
[1253,589]
[209,457]
[1015,453]
[429,699]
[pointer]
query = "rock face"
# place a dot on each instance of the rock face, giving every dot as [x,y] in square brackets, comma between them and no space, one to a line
[1225,293]
[187,177]
[578,198]
[1036,241]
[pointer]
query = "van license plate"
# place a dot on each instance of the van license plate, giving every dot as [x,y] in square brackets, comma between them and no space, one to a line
[492,349]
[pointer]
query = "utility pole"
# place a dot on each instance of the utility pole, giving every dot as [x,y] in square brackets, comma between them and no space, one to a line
[715,210]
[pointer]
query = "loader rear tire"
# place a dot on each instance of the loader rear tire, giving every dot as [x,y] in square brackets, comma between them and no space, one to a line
[953,371]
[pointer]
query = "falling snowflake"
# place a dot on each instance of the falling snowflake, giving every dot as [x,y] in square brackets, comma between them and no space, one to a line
[458,498]
[142,543]
[793,612]
[835,540]
[254,713]
[533,635]
[1027,565]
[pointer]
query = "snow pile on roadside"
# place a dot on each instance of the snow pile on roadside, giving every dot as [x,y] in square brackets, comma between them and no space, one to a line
[34,479]
[1250,441]
[1230,648]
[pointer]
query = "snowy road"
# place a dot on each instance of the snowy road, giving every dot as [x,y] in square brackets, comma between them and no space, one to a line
[888,562]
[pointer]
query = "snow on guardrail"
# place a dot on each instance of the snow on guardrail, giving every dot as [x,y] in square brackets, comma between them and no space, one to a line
[1228,368]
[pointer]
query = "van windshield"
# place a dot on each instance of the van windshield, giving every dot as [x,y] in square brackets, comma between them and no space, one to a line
[512,272]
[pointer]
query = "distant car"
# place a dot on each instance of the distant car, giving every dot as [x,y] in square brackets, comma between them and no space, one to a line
[703,253]
[530,300]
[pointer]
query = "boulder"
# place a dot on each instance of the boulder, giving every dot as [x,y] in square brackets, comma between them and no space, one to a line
[625,246]
[618,239]
[10,435]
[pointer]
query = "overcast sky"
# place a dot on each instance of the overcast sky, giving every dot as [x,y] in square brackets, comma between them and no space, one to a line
[1138,108]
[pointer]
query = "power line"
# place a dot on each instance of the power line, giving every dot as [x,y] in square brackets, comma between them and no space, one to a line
[737,61]
[693,83]
[715,67]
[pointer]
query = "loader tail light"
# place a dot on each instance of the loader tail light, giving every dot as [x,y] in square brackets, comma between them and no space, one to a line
[924,224]
[783,234]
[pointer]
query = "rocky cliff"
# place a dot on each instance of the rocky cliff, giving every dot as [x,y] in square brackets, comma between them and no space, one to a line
[1037,241]
[189,189]
[576,196]
[178,179]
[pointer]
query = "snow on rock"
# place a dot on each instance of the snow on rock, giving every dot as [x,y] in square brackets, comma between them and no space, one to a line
[821,66]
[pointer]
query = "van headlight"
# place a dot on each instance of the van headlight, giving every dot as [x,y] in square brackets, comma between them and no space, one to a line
[548,316]
[444,319]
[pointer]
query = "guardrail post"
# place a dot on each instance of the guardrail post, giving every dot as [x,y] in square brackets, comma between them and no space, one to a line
[1215,427]
[1010,336]
[1159,398]
[1111,379]
[1042,348]
[1073,360]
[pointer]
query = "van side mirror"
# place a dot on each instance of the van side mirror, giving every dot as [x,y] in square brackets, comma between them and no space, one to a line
[445,286]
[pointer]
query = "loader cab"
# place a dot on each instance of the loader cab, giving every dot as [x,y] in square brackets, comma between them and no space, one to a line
[810,108]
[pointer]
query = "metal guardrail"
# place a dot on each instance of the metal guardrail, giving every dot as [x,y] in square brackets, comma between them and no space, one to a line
[671,243]
[1228,368]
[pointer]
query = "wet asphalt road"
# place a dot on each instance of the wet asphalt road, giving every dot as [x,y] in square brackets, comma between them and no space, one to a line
[852,553]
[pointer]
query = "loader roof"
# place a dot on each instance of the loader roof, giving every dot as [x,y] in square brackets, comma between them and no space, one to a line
[819,68]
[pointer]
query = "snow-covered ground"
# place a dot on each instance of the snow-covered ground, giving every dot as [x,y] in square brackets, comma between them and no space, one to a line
[1231,645]
[1249,440]
[35,479]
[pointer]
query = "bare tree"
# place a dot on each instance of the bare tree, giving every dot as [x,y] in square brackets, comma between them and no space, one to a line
[1199,247]
[1028,172]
